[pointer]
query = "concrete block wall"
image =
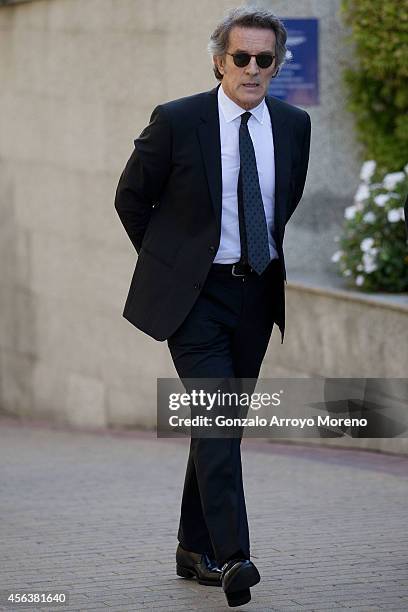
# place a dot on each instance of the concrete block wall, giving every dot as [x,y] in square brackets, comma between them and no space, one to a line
[335,155]
[79,81]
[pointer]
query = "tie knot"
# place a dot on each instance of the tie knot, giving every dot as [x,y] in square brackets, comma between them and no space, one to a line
[245,118]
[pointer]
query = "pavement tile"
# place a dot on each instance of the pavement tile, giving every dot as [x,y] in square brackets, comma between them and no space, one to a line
[96,515]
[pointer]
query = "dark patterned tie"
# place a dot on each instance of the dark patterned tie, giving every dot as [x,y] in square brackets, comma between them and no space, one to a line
[256,239]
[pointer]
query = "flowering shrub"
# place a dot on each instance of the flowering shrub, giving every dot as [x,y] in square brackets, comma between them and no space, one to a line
[373,248]
[377,78]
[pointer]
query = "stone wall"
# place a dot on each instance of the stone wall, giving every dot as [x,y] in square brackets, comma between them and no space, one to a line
[79,81]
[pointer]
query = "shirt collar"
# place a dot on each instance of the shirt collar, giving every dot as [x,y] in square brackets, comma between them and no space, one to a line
[231,110]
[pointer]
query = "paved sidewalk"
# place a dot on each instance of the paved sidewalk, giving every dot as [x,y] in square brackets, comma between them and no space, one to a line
[96,514]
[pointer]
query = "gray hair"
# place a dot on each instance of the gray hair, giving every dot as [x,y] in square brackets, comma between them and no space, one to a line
[247,17]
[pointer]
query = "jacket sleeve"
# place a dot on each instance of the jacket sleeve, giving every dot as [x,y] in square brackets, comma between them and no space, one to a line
[301,170]
[144,176]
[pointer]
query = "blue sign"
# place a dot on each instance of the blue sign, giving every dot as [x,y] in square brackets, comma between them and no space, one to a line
[298,80]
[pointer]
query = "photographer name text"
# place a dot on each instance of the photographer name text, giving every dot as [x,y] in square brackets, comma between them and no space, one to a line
[257,421]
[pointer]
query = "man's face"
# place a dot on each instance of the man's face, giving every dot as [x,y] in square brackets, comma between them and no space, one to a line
[247,86]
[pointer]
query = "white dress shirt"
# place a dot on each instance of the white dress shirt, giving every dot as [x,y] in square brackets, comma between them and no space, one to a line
[260,130]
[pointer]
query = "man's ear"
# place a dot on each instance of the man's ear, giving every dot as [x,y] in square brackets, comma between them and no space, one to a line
[219,61]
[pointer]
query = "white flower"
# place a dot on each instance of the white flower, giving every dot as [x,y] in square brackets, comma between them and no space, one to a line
[347,273]
[359,280]
[336,256]
[360,267]
[369,217]
[350,211]
[371,267]
[367,170]
[362,193]
[396,214]
[366,244]
[392,179]
[369,263]
[381,199]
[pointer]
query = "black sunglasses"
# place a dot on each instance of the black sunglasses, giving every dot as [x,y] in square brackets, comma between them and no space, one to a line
[264,60]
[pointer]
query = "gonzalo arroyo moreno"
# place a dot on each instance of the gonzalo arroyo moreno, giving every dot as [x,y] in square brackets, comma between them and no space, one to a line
[274,421]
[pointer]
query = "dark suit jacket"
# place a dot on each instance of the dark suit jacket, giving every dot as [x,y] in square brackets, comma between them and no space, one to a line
[169,200]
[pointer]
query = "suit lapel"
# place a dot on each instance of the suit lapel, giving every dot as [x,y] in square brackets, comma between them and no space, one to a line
[282,155]
[209,137]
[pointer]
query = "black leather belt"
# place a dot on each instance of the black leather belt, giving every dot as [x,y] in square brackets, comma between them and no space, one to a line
[240,269]
[235,269]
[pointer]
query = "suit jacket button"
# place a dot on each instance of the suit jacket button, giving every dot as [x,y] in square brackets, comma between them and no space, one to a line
[197,285]
[211,249]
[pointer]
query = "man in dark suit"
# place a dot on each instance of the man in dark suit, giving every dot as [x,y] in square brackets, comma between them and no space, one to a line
[204,198]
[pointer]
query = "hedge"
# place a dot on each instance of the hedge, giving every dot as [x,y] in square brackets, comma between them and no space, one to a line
[378,78]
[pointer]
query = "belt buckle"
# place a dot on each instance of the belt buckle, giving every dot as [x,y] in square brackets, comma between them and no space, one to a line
[234,273]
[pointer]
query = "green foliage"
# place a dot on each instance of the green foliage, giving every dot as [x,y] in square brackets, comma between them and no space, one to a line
[378,82]
[373,245]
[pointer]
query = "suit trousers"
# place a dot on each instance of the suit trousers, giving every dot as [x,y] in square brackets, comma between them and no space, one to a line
[225,336]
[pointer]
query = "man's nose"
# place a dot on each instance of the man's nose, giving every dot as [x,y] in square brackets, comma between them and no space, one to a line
[252,67]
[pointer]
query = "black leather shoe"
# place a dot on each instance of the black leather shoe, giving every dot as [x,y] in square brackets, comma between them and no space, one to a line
[199,565]
[237,576]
